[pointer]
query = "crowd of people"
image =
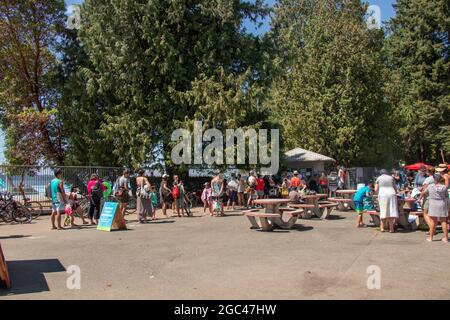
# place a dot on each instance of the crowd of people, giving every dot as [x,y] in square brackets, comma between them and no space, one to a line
[429,186]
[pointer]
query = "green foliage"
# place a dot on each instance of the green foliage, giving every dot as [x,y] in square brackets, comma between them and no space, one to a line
[327,94]
[29,35]
[146,62]
[418,57]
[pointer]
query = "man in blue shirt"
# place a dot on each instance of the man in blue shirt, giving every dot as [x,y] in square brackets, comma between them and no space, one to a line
[358,199]
[59,199]
[420,178]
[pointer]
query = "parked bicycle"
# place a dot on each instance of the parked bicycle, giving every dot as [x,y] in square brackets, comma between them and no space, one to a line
[11,210]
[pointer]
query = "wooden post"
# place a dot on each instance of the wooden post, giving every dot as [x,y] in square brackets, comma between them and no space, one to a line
[4,275]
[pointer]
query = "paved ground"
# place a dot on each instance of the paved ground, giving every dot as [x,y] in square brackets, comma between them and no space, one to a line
[221,258]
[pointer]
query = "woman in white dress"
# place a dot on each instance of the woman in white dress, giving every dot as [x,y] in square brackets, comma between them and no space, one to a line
[387,200]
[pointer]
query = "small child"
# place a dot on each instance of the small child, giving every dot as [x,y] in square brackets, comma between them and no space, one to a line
[73,207]
[362,196]
[207,198]
[154,199]
[252,196]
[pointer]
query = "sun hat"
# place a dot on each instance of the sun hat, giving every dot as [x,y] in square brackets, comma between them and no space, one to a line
[165,176]
[441,168]
[295,172]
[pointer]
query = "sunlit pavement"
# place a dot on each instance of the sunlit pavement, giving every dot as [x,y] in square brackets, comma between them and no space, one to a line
[221,258]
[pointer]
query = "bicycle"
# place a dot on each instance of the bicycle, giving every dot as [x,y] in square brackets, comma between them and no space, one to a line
[15,210]
[35,207]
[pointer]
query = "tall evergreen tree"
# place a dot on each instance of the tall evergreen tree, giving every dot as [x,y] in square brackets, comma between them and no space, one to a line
[328,91]
[146,61]
[418,56]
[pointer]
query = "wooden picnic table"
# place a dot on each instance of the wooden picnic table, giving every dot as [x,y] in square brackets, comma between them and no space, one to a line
[272,216]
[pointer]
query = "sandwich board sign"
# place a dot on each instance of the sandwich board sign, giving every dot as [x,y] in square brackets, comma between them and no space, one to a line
[110,217]
[4,276]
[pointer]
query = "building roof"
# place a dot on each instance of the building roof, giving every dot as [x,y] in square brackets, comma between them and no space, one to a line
[300,155]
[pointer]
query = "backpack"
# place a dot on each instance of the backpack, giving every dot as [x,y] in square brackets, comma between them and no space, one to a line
[176,192]
[97,189]
[48,190]
[143,191]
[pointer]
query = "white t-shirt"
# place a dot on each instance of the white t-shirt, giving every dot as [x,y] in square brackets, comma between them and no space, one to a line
[252,181]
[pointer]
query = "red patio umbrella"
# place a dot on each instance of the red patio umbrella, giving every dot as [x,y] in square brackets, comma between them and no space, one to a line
[416,166]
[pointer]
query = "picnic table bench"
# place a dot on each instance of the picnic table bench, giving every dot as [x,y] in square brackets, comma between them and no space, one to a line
[343,204]
[270,221]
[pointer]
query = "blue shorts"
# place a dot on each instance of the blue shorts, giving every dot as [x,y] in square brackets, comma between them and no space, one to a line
[58,207]
[359,207]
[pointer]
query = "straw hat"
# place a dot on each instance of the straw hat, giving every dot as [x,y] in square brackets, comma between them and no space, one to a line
[441,168]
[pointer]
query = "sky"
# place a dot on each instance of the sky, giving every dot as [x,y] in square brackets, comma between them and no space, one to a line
[387,11]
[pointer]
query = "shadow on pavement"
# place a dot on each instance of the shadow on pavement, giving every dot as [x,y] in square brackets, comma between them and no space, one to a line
[27,276]
[15,236]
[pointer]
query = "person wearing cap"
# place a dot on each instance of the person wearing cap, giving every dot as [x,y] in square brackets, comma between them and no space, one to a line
[442,169]
[165,194]
[207,198]
[420,177]
[387,199]
[295,181]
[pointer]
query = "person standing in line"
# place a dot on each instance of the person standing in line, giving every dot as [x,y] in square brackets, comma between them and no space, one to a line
[95,190]
[260,186]
[438,207]
[342,178]
[178,196]
[387,199]
[217,192]
[241,191]
[267,186]
[143,201]
[233,192]
[333,183]
[251,181]
[122,192]
[59,200]
[429,180]
[420,178]
[295,181]
[442,169]
[323,183]
[206,198]
[165,194]
[154,199]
